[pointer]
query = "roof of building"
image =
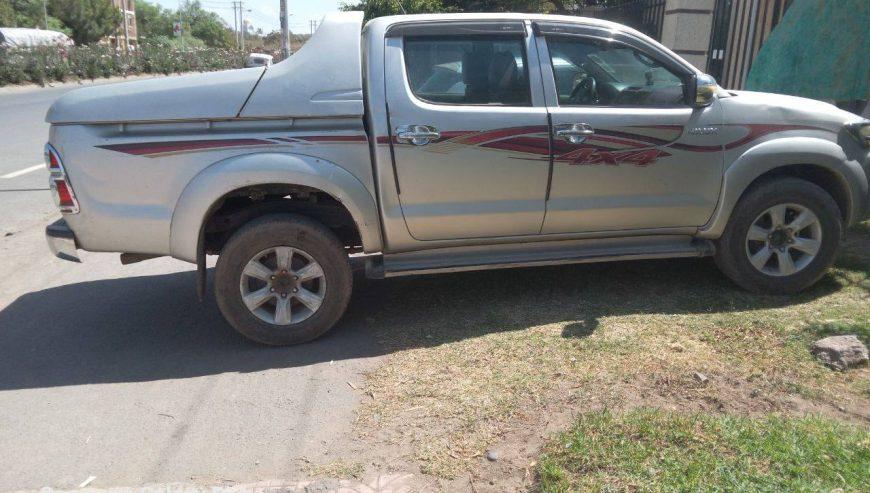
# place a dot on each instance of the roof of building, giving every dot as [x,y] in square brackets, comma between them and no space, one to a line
[20,37]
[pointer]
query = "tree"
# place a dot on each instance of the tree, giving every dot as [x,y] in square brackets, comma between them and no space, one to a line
[537,6]
[378,8]
[205,25]
[7,13]
[152,20]
[26,13]
[212,31]
[89,20]
[272,40]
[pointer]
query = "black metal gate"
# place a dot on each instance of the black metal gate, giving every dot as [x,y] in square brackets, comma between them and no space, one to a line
[718,39]
[740,28]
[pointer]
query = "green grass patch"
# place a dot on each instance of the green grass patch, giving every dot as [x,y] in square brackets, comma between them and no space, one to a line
[652,450]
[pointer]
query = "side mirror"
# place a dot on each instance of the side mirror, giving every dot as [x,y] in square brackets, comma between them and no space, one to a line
[705,91]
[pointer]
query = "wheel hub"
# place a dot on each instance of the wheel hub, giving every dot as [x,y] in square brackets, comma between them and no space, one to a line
[285,283]
[282,285]
[780,238]
[783,240]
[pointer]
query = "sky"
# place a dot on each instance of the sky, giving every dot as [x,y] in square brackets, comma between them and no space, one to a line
[264,13]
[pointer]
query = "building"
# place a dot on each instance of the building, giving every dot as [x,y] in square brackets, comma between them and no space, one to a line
[126,34]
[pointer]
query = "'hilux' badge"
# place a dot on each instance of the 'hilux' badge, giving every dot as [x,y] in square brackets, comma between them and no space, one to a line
[704,130]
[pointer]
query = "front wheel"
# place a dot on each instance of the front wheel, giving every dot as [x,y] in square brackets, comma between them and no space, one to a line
[283,279]
[782,237]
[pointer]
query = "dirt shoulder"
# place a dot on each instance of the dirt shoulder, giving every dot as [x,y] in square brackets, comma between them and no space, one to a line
[493,363]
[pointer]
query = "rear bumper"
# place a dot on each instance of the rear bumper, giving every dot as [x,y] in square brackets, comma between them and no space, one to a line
[62,241]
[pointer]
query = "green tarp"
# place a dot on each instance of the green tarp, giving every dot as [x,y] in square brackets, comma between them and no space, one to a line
[820,50]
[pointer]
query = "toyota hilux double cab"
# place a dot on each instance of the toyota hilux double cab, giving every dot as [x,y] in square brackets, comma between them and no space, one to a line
[443,143]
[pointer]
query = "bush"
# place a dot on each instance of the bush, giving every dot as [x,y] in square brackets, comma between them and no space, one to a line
[12,67]
[159,56]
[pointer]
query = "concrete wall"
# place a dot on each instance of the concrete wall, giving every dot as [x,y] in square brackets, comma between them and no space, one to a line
[686,29]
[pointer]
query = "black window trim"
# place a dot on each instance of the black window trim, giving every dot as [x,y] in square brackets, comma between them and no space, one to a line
[457,27]
[549,29]
[530,102]
[678,70]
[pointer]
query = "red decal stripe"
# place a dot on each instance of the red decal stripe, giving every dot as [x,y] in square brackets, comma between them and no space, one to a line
[757,131]
[647,140]
[145,148]
[694,148]
[502,133]
[334,138]
[529,145]
[616,140]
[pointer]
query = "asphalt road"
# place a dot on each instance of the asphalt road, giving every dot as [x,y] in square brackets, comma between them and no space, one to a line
[120,373]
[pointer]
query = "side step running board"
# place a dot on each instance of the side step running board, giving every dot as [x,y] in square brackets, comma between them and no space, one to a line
[459,259]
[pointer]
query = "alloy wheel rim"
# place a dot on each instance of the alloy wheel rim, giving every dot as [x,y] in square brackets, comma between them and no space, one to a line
[283,285]
[783,240]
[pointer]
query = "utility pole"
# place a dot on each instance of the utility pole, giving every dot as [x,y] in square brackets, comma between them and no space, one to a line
[126,28]
[242,23]
[180,25]
[236,24]
[286,51]
[45,13]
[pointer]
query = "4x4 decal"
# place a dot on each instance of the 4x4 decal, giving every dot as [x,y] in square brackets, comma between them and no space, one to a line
[591,156]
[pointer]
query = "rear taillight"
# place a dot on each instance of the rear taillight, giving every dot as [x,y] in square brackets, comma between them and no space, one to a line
[61,190]
[52,161]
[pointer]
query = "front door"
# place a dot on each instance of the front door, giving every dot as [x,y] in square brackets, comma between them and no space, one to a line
[628,154]
[470,138]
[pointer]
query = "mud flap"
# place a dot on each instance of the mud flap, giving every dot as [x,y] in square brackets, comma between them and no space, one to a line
[201,273]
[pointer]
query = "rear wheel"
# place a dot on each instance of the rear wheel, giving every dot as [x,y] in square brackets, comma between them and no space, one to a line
[283,279]
[781,238]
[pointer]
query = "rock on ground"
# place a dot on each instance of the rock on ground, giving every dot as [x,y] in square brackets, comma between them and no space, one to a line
[840,352]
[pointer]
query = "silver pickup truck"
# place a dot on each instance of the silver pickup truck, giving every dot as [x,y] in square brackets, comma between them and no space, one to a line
[442,143]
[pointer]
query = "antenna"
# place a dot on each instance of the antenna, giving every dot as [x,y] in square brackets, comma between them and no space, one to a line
[402,7]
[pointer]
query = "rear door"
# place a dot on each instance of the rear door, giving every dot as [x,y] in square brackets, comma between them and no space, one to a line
[629,151]
[469,128]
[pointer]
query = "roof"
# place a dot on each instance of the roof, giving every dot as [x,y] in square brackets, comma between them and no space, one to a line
[484,16]
[379,25]
[21,37]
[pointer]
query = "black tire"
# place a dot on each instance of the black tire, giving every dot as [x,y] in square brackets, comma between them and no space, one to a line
[283,230]
[731,250]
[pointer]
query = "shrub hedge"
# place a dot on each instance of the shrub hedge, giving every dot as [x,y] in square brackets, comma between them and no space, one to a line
[48,64]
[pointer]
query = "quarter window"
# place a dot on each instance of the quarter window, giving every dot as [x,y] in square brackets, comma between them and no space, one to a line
[473,70]
[592,73]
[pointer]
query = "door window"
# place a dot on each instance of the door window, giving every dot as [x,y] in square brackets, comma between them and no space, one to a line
[471,70]
[593,73]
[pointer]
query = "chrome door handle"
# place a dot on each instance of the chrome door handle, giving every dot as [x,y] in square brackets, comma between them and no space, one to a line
[574,133]
[419,135]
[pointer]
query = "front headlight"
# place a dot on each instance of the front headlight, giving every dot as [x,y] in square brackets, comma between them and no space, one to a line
[861,131]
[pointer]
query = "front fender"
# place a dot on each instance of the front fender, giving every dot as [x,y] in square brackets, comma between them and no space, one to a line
[222,177]
[776,153]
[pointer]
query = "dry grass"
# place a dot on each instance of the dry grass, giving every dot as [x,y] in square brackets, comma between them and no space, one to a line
[337,469]
[477,357]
